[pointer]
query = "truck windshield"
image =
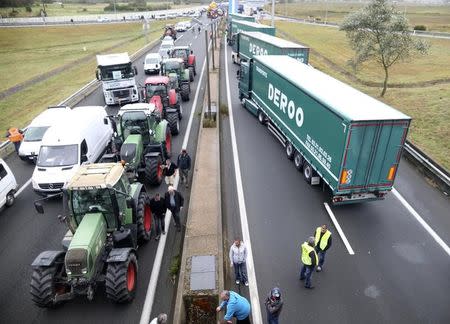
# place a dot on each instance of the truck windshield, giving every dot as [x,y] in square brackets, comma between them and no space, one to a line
[152,60]
[93,201]
[116,72]
[179,53]
[61,155]
[171,65]
[156,90]
[35,134]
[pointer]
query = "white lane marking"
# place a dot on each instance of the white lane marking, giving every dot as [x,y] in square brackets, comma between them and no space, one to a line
[339,229]
[421,221]
[150,296]
[178,38]
[22,188]
[253,288]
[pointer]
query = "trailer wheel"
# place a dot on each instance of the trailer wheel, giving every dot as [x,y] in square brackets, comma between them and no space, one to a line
[153,171]
[121,280]
[174,123]
[290,150]
[307,172]
[298,160]
[191,74]
[144,218]
[10,198]
[262,118]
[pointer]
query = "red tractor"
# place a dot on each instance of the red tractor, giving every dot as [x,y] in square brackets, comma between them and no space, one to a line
[185,53]
[169,30]
[158,91]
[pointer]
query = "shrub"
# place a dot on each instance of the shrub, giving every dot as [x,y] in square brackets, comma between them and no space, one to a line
[420,27]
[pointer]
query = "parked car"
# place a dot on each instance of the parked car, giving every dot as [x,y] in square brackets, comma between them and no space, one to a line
[152,63]
[31,144]
[103,19]
[8,185]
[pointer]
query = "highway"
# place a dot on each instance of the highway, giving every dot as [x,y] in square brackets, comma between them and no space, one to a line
[398,272]
[24,234]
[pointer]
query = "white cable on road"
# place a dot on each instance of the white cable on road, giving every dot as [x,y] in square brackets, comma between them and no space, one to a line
[151,289]
[339,229]
[253,288]
[421,221]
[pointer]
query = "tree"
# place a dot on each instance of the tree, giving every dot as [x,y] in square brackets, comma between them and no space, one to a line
[378,32]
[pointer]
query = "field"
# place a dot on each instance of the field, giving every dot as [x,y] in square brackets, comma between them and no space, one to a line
[56,50]
[428,105]
[434,17]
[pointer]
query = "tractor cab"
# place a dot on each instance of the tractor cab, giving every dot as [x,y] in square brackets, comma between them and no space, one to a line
[187,55]
[174,68]
[172,65]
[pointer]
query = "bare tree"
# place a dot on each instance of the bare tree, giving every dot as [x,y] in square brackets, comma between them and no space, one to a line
[378,32]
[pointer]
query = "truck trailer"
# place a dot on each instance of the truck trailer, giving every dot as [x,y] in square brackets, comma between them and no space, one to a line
[249,44]
[238,26]
[335,134]
[118,78]
[235,17]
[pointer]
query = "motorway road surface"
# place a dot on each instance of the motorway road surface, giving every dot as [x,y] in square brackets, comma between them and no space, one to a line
[24,234]
[398,274]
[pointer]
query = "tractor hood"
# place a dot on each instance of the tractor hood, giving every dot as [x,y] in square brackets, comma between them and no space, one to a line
[131,149]
[86,245]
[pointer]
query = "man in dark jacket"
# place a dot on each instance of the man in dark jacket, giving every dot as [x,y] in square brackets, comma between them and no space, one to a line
[274,304]
[158,207]
[170,170]
[174,203]
[184,165]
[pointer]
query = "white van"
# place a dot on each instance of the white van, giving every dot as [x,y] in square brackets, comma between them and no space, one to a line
[8,185]
[152,63]
[82,139]
[31,144]
[166,46]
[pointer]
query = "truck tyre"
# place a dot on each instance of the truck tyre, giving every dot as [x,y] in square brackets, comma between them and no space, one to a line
[153,171]
[185,89]
[144,218]
[121,280]
[290,150]
[180,112]
[174,123]
[191,74]
[307,172]
[10,198]
[43,286]
[262,117]
[298,160]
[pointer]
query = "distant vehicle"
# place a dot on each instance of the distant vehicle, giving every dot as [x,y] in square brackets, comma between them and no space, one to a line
[118,78]
[82,139]
[152,63]
[180,27]
[160,17]
[31,144]
[8,185]
[103,19]
[169,30]
[171,15]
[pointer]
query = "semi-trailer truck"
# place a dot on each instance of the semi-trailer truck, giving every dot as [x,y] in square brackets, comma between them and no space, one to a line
[236,17]
[118,78]
[238,26]
[335,134]
[249,44]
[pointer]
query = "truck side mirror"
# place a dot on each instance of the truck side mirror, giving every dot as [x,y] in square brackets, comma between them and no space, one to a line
[105,121]
[39,208]
[84,158]
[98,75]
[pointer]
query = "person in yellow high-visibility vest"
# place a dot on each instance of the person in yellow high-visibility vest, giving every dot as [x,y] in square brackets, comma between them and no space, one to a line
[309,260]
[322,241]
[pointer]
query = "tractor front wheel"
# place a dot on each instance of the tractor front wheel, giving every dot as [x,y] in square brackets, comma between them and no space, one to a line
[191,74]
[185,89]
[44,284]
[144,218]
[121,280]
[153,170]
[174,123]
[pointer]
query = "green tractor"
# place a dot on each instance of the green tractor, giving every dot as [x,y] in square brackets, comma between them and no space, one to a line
[178,75]
[146,141]
[107,217]
[187,55]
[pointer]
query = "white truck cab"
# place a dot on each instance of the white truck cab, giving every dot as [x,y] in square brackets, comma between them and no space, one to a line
[31,144]
[118,78]
[8,185]
[82,139]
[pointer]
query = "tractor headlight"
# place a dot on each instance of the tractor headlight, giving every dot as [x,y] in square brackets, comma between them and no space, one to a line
[84,271]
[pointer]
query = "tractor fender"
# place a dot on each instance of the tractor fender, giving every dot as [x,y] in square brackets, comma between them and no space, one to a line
[119,255]
[172,97]
[46,258]
[191,60]
[160,130]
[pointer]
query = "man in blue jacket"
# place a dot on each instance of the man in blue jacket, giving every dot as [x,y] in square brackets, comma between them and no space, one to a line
[237,306]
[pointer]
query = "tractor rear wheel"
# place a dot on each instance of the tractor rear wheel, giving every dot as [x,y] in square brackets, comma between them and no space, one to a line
[121,280]
[144,218]
[153,170]
[174,123]
[185,89]
[191,74]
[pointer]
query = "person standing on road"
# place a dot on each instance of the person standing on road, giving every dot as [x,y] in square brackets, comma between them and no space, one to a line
[158,208]
[323,243]
[184,165]
[170,170]
[15,136]
[174,202]
[309,260]
[274,304]
[238,258]
[161,319]
[237,306]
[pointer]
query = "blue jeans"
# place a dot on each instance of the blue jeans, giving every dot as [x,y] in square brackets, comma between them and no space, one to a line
[321,255]
[159,224]
[272,319]
[240,271]
[306,274]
